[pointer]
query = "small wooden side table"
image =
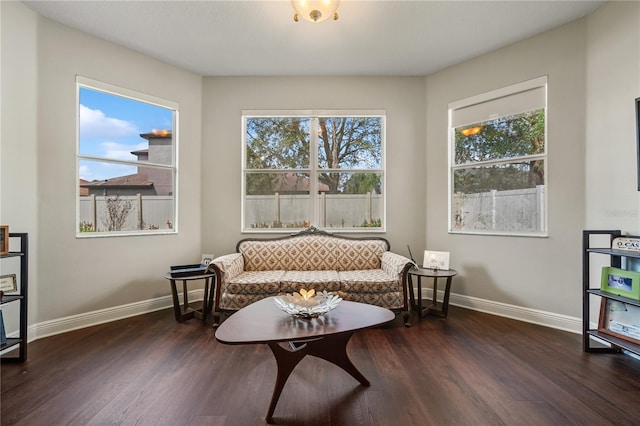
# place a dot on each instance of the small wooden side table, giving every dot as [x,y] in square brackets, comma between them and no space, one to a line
[185,311]
[435,274]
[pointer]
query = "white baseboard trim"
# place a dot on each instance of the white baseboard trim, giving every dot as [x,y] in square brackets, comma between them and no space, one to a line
[534,316]
[75,322]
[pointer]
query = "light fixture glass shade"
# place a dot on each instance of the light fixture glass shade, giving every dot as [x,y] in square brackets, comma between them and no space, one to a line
[315,10]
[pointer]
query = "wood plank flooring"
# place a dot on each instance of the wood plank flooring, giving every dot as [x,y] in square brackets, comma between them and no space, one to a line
[469,369]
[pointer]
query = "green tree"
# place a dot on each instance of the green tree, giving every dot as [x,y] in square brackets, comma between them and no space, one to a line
[362,183]
[500,139]
[348,143]
[278,143]
[274,143]
[283,143]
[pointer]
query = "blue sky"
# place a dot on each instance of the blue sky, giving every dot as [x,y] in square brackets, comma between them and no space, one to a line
[110,127]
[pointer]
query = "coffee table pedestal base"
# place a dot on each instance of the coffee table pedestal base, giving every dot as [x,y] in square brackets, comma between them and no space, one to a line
[332,348]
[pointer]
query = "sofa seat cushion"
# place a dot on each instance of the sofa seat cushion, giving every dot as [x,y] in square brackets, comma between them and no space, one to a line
[317,280]
[367,281]
[233,302]
[255,282]
[393,300]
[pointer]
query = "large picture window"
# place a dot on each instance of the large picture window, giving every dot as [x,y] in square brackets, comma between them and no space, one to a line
[305,168]
[498,151]
[126,161]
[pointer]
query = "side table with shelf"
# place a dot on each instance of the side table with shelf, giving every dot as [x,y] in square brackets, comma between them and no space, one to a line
[432,309]
[615,260]
[185,310]
[18,342]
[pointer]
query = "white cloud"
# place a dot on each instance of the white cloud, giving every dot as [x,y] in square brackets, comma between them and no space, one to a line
[85,172]
[94,123]
[118,151]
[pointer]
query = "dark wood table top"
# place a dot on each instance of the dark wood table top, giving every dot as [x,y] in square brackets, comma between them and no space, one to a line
[426,272]
[264,322]
[195,276]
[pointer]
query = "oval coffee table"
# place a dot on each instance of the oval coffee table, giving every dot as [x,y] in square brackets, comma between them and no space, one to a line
[291,338]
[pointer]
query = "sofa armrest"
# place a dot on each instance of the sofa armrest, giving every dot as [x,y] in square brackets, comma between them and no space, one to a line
[398,266]
[225,267]
[228,266]
[395,264]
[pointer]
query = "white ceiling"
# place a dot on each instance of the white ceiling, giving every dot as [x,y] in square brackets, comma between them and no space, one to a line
[214,38]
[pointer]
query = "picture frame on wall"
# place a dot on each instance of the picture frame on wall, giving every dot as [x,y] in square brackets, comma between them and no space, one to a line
[620,282]
[4,239]
[620,319]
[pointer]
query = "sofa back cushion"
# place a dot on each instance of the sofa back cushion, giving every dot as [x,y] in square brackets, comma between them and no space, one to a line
[312,253]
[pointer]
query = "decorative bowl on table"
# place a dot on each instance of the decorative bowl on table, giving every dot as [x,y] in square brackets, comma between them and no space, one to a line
[307,304]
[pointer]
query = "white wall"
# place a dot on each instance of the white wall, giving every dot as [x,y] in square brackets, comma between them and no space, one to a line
[18,134]
[224,98]
[75,276]
[613,82]
[593,66]
[535,274]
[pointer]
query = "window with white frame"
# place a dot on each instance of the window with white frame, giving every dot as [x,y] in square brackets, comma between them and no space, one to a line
[126,161]
[320,168]
[498,154]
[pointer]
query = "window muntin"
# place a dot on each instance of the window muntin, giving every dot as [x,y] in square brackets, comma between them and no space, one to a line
[126,161]
[498,170]
[347,174]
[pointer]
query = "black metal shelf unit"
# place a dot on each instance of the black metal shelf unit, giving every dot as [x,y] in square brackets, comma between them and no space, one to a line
[20,342]
[615,258]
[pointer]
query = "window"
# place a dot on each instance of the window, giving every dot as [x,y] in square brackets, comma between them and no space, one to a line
[126,161]
[307,168]
[498,160]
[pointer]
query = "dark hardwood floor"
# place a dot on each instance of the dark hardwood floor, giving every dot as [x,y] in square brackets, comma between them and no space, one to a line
[469,369]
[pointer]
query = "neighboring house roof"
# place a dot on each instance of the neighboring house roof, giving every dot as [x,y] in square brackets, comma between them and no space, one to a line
[157,134]
[138,180]
[290,182]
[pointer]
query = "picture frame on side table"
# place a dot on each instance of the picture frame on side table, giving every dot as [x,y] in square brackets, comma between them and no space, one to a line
[206,259]
[436,260]
[620,282]
[620,319]
[4,239]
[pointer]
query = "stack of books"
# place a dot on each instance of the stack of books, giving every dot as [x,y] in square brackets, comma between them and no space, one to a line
[188,270]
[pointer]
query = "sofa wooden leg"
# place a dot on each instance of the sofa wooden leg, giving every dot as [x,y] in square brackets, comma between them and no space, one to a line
[405,317]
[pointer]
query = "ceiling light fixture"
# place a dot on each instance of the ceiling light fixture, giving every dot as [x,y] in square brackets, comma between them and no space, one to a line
[315,10]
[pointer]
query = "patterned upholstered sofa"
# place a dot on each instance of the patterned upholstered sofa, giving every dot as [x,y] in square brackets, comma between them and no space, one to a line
[357,269]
